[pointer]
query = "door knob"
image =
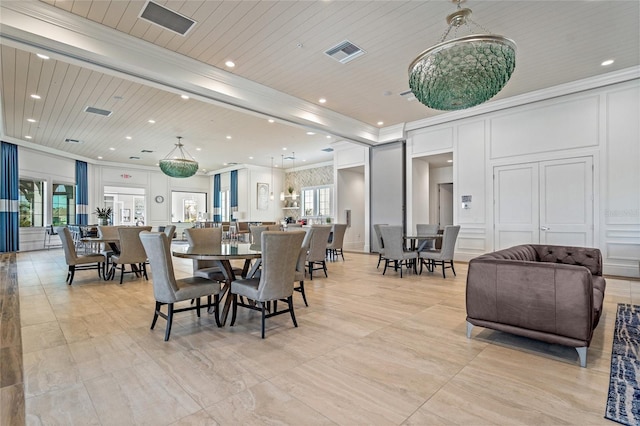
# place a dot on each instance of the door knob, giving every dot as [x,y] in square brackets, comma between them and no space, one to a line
[544,228]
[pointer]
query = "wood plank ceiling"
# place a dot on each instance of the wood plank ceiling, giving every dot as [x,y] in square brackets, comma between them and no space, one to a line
[280,44]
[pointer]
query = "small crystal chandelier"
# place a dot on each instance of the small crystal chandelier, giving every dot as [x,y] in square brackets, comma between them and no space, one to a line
[462,72]
[179,167]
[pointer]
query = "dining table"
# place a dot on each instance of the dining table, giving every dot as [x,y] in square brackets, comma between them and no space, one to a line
[223,254]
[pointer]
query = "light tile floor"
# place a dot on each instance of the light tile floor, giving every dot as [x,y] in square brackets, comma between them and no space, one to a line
[370,349]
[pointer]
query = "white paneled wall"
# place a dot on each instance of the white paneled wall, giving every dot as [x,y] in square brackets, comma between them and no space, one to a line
[601,124]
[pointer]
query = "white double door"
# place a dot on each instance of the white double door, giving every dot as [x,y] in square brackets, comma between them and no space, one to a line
[548,202]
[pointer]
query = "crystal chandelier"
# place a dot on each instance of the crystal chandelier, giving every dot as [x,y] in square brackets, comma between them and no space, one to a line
[464,71]
[179,167]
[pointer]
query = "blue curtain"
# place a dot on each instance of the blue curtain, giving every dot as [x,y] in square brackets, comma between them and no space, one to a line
[9,211]
[234,192]
[217,214]
[82,193]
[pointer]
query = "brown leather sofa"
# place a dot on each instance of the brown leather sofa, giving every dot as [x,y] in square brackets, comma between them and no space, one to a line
[544,292]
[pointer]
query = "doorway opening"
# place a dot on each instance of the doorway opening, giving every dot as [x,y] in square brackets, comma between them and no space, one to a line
[129,205]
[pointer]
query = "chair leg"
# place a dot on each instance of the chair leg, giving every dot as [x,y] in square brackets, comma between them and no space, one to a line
[71,273]
[216,303]
[100,266]
[400,268]
[155,314]
[293,315]
[324,267]
[379,260]
[386,263]
[234,309]
[144,271]
[198,307]
[264,313]
[304,296]
[169,320]
[453,269]
[342,254]
[311,271]
[444,275]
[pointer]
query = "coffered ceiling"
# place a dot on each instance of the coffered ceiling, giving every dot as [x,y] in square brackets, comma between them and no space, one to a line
[102,55]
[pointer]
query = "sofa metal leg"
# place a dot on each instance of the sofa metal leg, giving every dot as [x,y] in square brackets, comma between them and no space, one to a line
[469,328]
[582,354]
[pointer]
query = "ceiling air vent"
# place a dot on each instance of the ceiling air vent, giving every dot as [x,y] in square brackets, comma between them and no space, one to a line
[345,52]
[69,140]
[146,151]
[327,150]
[166,18]
[98,111]
[134,158]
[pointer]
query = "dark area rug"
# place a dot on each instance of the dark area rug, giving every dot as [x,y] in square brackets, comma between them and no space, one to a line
[623,402]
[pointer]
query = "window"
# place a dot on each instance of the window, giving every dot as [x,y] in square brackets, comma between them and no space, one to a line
[316,201]
[63,207]
[31,202]
[186,207]
[225,206]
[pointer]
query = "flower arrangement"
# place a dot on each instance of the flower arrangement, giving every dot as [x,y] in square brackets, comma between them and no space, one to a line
[104,213]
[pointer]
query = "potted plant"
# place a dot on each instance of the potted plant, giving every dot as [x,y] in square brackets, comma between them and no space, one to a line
[290,190]
[104,215]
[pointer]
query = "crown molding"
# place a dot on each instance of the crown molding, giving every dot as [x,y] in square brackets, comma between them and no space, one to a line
[37,25]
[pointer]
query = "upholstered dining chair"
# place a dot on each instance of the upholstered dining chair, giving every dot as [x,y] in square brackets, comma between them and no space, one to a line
[280,252]
[208,269]
[427,230]
[316,257]
[301,270]
[109,233]
[167,290]
[376,229]
[394,251]
[431,258]
[170,231]
[131,253]
[256,232]
[75,261]
[334,248]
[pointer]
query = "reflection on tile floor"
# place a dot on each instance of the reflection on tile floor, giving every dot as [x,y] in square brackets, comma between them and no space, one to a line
[370,349]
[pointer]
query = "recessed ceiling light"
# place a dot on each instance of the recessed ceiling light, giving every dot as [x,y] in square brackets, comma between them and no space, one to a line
[250,158]
[228,137]
[322,100]
[112,149]
[157,164]
[230,64]
[304,161]
[128,137]
[271,120]
[380,123]
[607,62]
[310,133]
[31,120]
[449,161]
[224,164]
[184,96]
[27,137]
[284,148]
[204,170]
[99,157]
[198,149]
[152,121]
[41,56]
[276,165]
[34,96]
[328,136]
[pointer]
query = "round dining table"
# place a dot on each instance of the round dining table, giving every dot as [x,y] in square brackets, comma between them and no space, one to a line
[223,254]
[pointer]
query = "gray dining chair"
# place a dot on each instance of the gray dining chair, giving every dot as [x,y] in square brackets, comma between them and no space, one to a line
[280,253]
[427,230]
[334,248]
[167,290]
[394,251]
[431,258]
[131,253]
[376,229]
[75,261]
[170,231]
[301,270]
[316,257]
[202,237]
[256,231]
